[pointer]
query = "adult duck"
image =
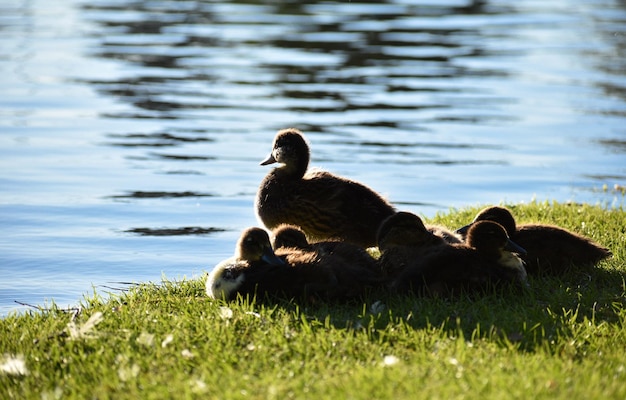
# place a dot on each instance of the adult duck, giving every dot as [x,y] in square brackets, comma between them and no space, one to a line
[353,269]
[488,258]
[403,239]
[323,205]
[549,249]
[254,269]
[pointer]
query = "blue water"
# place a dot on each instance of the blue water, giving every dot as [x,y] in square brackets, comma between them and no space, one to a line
[131,132]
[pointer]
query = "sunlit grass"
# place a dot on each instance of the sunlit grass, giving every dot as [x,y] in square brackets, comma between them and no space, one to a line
[562,338]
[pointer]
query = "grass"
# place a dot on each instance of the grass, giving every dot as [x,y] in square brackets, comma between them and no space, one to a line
[564,338]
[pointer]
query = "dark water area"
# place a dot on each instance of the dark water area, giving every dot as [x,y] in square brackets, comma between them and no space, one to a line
[131,131]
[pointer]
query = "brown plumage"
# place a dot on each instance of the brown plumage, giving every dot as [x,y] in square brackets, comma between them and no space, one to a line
[403,239]
[485,260]
[290,273]
[291,236]
[549,249]
[254,269]
[450,237]
[286,235]
[349,269]
[323,205]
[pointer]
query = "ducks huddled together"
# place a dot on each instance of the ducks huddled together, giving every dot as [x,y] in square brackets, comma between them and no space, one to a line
[322,224]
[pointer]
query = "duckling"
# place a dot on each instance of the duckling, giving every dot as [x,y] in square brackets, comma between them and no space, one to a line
[487,259]
[323,205]
[354,270]
[286,235]
[402,240]
[253,268]
[450,237]
[550,249]
[256,270]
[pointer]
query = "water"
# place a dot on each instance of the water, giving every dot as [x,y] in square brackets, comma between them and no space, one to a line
[131,132]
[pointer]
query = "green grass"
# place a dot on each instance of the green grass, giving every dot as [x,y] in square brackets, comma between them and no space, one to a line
[564,338]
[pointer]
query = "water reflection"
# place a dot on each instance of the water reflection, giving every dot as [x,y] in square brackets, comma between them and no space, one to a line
[159,195]
[322,57]
[160,139]
[186,230]
[390,80]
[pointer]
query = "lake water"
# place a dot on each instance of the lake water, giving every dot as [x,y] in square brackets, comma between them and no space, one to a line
[131,131]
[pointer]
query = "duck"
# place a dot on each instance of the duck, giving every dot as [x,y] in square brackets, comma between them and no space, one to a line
[253,269]
[550,249]
[353,271]
[290,236]
[325,206]
[256,270]
[449,236]
[488,258]
[402,239]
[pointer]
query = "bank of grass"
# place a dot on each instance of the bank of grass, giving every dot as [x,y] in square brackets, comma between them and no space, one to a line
[564,338]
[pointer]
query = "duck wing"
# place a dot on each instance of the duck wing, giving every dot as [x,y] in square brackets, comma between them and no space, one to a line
[552,249]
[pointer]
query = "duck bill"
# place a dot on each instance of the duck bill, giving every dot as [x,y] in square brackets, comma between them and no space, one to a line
[463,230]
[269,160]
[271,258]
[515,248]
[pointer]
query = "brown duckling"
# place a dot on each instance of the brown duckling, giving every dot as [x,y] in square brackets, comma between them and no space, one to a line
[450,237]
[402,240]
[286,235]
[549,249]
[354,270]
[254,269]
[323,205]
[487,259]
[291,236]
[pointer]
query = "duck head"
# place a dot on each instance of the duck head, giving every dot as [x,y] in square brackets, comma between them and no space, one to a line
[224,280]
[254,246]
[497,214]
[291,149]
[402,229]
[289,236]
[491,236]
[491,240]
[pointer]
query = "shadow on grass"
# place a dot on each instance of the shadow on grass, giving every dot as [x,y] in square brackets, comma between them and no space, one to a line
[561,315]
[553,308]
